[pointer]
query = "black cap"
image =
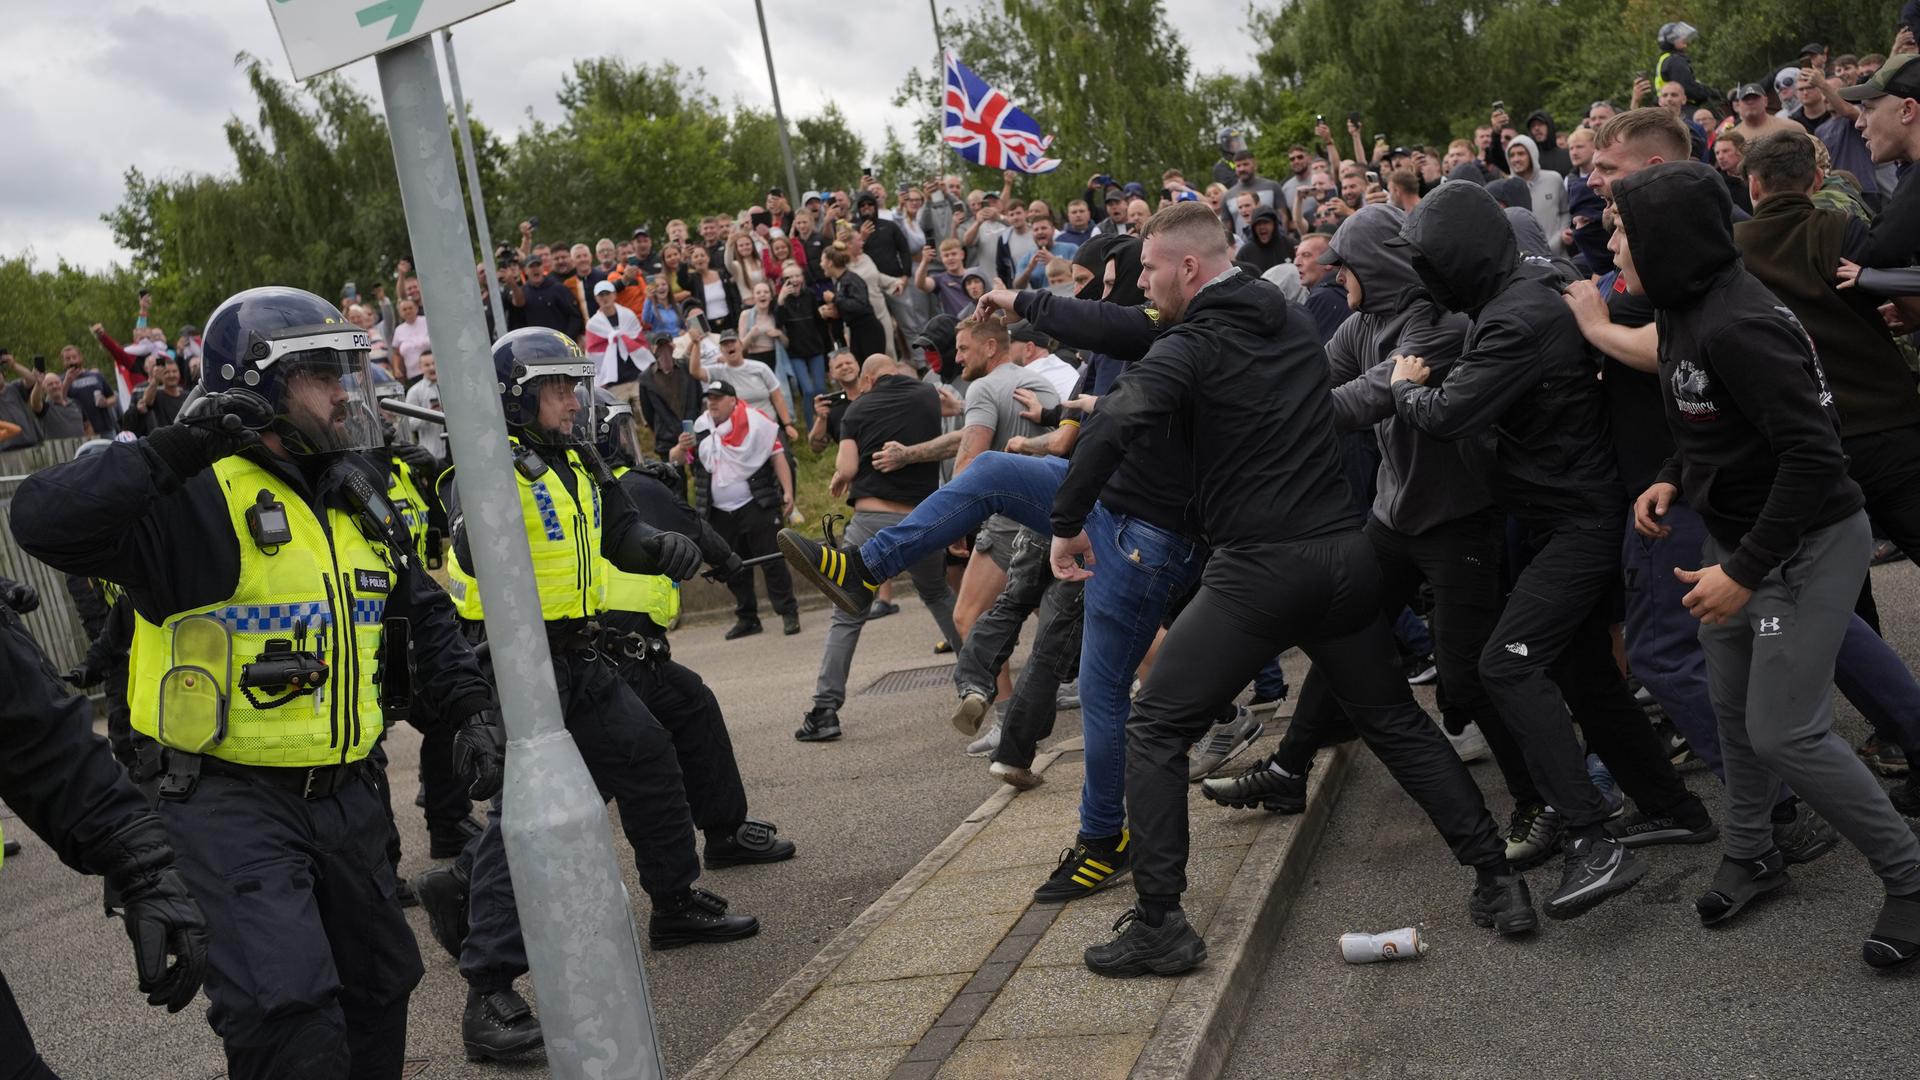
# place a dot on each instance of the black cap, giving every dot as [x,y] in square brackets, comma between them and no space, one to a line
[782,192]
[867,198]
[1399,151]
[720,387]
[1115,193]
[1812,48]
[640,232]
[1029,333]
[1747,90]
[659,337]
[728,335]
[1899,76]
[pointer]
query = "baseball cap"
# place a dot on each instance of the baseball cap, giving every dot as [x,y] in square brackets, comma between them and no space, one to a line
[640,232]
[1752,89]
[985,196]
[1134,187]
[604,287]
[782,192]
[1186,196]
[720,388]
[659,337]
[728,335]
[1812,48]
[1899,76]
[1399,151]
[1115,194]
[1027,332]
[809,196]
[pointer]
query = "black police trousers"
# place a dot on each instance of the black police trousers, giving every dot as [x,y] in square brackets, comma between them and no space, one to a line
[632,760]
[18,1058]
[310,960]
[1255,602]
[680,700]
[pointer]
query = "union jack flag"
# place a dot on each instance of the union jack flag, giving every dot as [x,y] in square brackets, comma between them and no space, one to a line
[985,128]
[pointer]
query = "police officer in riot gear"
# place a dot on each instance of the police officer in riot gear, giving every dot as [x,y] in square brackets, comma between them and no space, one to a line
[62,781]
[578,522]
[275,594]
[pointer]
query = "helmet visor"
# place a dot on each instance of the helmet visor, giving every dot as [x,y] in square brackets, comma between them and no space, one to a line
[565,412]
[327,403]
[618,441]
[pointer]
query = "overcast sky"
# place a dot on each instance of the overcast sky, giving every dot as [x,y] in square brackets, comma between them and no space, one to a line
[150,83]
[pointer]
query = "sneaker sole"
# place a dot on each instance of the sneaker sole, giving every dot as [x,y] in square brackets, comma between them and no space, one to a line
[1174,963]
[1041,896]
[1741,903]
[1025,780]
[968,714]
[797,557]
[823,737]
[1530,862]
[1521,923]
[1242,746]
[749,860]
[1625,878]
[1670,836]
[487,1053]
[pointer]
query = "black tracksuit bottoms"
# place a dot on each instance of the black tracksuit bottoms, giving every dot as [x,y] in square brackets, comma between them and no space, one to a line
[1255,602]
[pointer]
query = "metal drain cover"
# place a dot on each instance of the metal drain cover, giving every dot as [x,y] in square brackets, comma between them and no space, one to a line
[920,678]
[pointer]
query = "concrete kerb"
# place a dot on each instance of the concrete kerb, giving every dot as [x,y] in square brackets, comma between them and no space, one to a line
[742,1040]
[1197,1031]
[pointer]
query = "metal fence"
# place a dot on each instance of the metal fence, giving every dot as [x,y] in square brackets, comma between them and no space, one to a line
[56,626]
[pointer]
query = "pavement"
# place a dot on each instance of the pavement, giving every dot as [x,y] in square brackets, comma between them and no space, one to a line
[1634,988]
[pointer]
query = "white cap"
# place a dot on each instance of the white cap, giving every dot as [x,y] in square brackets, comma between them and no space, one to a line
[604,286]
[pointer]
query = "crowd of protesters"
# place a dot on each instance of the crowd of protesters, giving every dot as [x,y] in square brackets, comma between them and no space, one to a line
[1595,425]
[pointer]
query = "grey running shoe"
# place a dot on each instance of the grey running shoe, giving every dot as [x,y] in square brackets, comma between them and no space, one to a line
[1806,837]
[1167,949]
[1596,869]
[1223,742]
[1533,834]
[985,745]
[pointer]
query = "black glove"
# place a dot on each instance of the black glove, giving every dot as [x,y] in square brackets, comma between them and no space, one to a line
[83,676]
[671,554]
[420,460]
[19,596]
[731,568]
[663,472]
[209,428]
[480,754]
[162,919]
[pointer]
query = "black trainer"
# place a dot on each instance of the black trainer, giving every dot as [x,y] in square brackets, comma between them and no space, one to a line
[1640,829]
[498,1024]
[1259,786]
[403,892]
[1596,868]
[835,570]
[1740,882]
[1503,902]
[819,725]
[1806,837]
[443,896]
[1895,939]
[1167,949]
[753,842]
[790,623]
[1906,797]
[448,840]
[1085,870]
[702,917]
[743,628]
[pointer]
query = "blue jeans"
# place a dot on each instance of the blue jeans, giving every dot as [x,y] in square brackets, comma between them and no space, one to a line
[1018,486]
[810,374]
[1271,683]
[1663,639]
[1412,633]
[1138,571]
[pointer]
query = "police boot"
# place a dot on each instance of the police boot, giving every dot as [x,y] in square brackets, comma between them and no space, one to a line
[700,917]
[446,840]
[498,1024]
[753,842]
[443,896]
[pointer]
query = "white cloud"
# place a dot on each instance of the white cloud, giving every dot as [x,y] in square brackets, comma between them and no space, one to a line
[151,84]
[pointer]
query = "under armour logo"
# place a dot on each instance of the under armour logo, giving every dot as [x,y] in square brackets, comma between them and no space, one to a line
[1770,625]
[1517,648]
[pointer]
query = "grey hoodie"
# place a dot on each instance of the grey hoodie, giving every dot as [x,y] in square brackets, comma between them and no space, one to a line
[1423,482]
[1549,190]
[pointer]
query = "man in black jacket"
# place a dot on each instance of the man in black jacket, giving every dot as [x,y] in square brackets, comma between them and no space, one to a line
[59,777]
[1758,451]
[1243,369]
[541,300]
[1524,374]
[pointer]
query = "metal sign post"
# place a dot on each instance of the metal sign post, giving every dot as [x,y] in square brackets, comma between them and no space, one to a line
[574,910]
[473,188]
[779,116]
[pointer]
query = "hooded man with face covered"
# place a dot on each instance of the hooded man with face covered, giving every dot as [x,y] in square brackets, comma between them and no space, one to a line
[1758,454]
[1524,373]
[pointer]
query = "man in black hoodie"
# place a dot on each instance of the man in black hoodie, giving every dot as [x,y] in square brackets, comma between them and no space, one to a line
[1242,372]
[1270,245]
[1758,453]
[1525,374]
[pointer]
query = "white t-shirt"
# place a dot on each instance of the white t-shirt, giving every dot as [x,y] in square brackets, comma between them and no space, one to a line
[716,300]
[754,381]
[1061,374]
[410,340]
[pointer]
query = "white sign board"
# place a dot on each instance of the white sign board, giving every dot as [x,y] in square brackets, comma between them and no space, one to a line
[321,35]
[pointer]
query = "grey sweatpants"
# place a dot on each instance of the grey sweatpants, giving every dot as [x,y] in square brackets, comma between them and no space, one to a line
[843,632]
[1770,676]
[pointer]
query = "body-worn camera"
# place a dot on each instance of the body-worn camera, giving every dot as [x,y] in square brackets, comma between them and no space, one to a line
[280,664]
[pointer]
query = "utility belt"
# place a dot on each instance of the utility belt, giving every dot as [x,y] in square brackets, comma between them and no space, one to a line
[592,640]
[179,772]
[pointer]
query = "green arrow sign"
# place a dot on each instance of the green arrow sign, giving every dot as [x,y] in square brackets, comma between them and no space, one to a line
[402,12]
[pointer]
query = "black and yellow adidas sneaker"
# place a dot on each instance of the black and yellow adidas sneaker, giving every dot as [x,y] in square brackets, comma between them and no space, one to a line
[835,570]
[1086,869]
